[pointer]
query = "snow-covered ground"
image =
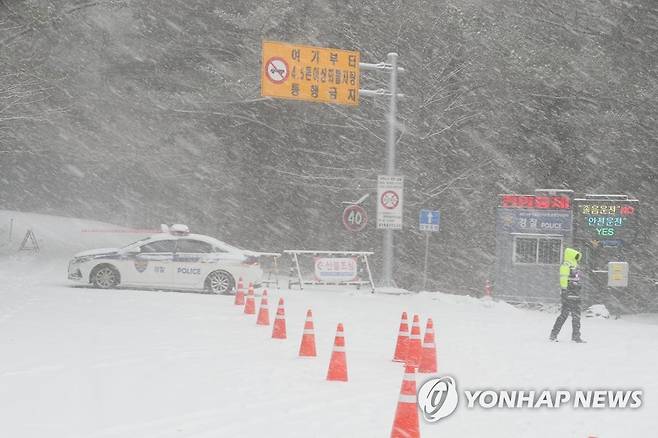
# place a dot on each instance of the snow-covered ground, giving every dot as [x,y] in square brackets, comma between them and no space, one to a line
[80,362]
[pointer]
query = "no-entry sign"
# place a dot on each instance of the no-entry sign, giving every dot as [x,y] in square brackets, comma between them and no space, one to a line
[389,202]
[355,218]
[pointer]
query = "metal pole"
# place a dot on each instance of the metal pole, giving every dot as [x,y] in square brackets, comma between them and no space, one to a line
[372,283]
[387,272]
[427,253]
[299,273]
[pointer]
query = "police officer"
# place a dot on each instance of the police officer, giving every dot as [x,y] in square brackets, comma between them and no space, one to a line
[570,278]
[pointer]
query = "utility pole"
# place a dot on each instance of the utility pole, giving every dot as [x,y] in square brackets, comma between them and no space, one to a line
[387,271]
[391,66]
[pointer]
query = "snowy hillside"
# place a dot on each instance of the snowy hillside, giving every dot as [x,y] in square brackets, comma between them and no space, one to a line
[86,363]
[142,111]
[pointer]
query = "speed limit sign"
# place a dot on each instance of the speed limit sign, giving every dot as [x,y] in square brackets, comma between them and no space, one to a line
[355,218]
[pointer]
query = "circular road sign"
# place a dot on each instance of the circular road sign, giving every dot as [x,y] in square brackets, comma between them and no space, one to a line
[276,70]
[390,199]
[355,218]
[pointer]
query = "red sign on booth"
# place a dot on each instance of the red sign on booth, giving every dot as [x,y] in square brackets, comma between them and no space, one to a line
[535,201]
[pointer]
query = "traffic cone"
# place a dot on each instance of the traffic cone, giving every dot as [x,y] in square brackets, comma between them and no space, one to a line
[307,347]
[279,329]
[338,363]
[264,312]
[239,295]
[402,345]
[406,424]
[415,346]
[250,304]
[428,357]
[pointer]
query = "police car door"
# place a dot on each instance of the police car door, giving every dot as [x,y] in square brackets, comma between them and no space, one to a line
[191,262]
[153,265]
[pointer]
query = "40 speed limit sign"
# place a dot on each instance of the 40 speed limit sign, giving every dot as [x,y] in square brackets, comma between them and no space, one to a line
[355,218]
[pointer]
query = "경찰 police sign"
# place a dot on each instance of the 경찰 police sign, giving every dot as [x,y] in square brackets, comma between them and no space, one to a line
[533,221]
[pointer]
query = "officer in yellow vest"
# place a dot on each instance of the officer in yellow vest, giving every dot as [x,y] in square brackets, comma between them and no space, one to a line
[570,278]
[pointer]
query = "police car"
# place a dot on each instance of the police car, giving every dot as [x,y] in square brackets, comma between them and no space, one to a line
[174,259]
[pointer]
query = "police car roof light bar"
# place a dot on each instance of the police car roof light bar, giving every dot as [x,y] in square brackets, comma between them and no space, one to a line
[179,230]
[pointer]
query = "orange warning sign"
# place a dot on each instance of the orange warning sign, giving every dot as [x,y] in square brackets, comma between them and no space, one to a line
[316,74]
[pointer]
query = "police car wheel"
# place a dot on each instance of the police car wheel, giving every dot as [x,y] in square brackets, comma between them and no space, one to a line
[105,277]
[220,282]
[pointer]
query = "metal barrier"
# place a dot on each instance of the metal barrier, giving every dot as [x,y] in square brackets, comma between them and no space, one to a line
[332,269]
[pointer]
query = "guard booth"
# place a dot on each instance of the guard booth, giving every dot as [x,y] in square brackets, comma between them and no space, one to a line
[531,234]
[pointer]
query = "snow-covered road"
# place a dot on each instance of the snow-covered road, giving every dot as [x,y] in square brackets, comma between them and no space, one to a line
[79,362]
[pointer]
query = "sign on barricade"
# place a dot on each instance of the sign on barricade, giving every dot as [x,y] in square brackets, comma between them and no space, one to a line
[331,268]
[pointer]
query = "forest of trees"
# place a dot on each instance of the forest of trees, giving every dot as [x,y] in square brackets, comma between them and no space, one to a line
[140,112]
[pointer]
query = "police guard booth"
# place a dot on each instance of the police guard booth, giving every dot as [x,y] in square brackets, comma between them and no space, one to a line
[531,234]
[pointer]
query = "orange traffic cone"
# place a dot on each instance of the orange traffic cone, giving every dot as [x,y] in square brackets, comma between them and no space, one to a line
[307,347]
[264,312]
[239,295]
[250,304]
[279,329]
[428,357]
[406,424]
[403,340]
[415,347]
[338,363]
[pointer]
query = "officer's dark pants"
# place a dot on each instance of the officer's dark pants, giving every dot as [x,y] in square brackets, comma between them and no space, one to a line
[569,306]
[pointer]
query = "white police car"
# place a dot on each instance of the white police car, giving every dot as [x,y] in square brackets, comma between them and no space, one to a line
[174,259]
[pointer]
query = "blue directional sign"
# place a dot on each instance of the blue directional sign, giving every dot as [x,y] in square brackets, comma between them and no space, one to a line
[429,220]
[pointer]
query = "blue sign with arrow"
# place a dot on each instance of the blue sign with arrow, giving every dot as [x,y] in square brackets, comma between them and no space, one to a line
[429,220]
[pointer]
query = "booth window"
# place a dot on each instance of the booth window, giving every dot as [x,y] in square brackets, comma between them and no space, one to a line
[537,250]
[549,251]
